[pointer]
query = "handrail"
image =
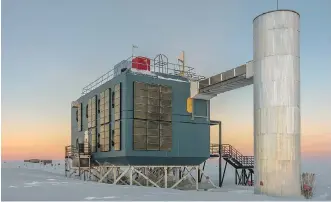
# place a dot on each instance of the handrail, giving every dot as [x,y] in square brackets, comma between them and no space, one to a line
[231,152]
[170,68]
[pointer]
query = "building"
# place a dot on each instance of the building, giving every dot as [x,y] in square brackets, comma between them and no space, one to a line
[138,115]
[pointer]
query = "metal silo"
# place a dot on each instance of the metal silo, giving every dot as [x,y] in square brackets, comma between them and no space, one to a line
[277,103]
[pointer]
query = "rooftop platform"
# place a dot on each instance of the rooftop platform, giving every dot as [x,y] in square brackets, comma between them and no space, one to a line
[159,64]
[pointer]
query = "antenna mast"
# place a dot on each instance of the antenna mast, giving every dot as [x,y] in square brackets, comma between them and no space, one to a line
[133,47]
[182,60]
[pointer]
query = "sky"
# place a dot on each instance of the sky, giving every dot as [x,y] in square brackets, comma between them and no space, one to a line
[51,49]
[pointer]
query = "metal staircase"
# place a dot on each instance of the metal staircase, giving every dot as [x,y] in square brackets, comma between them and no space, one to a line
[235,158]
[244,165]
[77,159]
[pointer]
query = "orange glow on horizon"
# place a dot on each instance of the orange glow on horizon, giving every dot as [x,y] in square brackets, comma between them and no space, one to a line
[32,141]
[18,143]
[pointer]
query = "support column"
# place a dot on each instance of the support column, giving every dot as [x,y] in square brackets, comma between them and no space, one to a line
[165,177]
[277,103]
[197,168]
[220,154]
[131,175]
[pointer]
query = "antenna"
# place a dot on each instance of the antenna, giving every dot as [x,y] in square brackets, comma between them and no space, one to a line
[277,4]
[182,60]
[133,47]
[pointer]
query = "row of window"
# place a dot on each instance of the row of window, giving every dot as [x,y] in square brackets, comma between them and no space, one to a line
[102,140]
[105,141]
[102,107]
[148,132]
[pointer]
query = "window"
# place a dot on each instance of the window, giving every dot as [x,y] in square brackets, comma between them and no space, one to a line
[152,127]
[112,137]
[102,108]
[93,133]
[104,121]
[107,106]
[98,106]
[104,138]
[165,136]
[117,135]
[113,99]
[153,136]
[93,112]
[139,134]
[79,117]
[91,122]
[117,102]
[86,112]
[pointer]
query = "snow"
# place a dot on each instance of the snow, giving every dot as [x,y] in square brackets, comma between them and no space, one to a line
[138,71]
[178,80]
[149,73]
[28,181]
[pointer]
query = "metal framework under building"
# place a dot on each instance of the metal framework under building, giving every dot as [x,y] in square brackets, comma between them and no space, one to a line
[179,177]
[78,164]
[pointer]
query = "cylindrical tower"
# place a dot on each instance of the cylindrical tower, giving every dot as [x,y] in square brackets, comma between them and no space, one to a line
[277,103]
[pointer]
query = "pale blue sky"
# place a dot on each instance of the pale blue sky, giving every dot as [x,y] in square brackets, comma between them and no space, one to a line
[52,49]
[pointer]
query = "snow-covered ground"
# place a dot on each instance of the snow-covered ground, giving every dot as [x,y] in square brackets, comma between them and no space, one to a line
[38,182]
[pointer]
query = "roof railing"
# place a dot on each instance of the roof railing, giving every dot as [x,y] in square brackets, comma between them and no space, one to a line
[155,67]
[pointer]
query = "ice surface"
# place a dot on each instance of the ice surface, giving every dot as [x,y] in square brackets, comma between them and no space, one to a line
[178,80]
[28,181]
[137,71]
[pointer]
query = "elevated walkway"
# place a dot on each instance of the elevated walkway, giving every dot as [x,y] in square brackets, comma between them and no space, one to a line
[229,80]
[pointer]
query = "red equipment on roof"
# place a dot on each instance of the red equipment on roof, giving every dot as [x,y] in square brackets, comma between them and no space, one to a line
[141,63]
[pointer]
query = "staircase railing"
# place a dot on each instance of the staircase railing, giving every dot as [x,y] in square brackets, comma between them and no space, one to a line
[228,151]
[248,161]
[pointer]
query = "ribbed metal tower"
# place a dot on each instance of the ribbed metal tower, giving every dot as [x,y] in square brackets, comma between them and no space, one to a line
[277,103]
